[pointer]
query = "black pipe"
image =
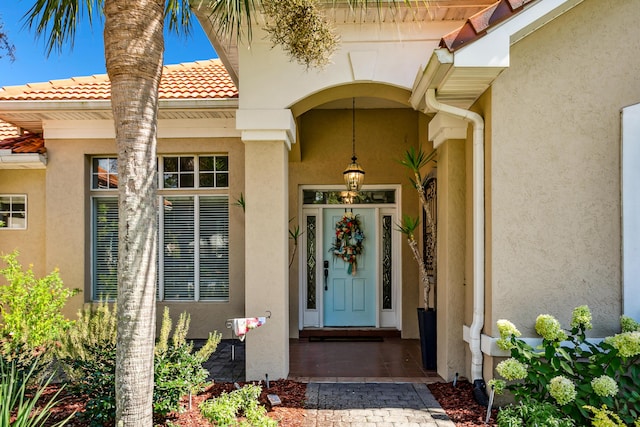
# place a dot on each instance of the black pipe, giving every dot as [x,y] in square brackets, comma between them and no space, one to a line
[480,392]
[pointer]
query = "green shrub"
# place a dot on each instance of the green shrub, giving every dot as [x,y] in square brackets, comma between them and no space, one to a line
[571,372]
[17,402]
[225,409]
[30,307]
[178,370]
[89,355]
[531,413]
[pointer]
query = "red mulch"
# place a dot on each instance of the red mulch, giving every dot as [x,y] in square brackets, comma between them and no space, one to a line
[460,405]
[458,402]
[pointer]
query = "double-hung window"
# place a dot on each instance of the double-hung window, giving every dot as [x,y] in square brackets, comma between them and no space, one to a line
[193,262]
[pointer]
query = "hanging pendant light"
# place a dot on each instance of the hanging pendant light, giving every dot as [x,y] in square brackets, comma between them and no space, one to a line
[353,174]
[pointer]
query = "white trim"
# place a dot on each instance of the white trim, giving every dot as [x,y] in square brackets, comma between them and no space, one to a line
[444,127]
[392,317]
[311,316]
[167,128]
[314,318]
[267,125]
[40,106]
[22,160]
[26,222]
[630,158]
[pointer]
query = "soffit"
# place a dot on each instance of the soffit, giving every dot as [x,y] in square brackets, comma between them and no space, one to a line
[32,120]
[339,12]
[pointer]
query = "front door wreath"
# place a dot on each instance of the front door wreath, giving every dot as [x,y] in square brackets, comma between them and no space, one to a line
[348,244]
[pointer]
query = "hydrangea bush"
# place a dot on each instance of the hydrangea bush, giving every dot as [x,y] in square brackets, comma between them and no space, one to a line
[572,373]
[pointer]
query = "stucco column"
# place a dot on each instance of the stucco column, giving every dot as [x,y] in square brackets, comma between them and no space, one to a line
[268,135]
[448,134]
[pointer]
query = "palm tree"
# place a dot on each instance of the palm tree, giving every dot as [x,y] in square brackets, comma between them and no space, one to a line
[134,45]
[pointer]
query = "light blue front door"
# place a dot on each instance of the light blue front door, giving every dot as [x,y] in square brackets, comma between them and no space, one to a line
[349,299]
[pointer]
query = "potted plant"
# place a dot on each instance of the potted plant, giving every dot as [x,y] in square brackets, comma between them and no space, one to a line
[415,161]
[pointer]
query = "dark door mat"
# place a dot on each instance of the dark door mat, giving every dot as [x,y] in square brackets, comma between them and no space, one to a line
[346,339]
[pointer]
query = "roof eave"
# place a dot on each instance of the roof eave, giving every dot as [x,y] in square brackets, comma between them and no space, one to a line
[430,77]
[227,50]
[22,160]
[461,78]
[96,105]
[29,115]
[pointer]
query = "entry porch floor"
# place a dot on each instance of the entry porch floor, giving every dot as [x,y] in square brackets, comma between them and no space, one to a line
[390,360]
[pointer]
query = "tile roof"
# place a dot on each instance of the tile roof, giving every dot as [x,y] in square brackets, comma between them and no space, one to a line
[477,25]
[7,130]
[195,80]
[24,144]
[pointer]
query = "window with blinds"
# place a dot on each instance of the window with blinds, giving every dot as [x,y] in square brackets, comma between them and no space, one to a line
[193,262]
[105,248]
[195,242]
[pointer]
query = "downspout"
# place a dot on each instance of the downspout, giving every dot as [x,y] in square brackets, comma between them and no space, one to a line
[478,227]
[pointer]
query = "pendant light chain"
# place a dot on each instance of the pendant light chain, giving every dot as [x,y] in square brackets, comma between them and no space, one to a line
[353,128]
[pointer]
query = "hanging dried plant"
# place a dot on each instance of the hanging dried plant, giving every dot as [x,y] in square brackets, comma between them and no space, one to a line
[301,29]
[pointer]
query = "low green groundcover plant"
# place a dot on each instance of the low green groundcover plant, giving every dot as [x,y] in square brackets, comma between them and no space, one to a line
[88,354]
[532,413]
[572,373]
[225,409]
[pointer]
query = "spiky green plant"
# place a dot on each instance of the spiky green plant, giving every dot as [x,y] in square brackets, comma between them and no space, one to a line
[18,402]
[240,202]
[415,161]
[294,234]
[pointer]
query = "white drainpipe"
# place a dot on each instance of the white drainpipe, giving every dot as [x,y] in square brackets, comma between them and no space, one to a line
[478,224]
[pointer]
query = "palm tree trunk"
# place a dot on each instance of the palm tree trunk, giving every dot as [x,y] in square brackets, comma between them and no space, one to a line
[134,45]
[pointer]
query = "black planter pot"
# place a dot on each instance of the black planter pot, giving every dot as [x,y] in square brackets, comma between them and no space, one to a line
[427,327]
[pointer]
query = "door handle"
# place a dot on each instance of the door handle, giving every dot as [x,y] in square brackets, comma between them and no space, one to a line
[326,275]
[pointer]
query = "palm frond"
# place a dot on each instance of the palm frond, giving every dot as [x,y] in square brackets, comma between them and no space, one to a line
[417,159]
[408,225]
[178,16]
[229,17]
[57,20]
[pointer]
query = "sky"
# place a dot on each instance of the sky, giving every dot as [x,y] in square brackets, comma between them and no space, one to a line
[86,58]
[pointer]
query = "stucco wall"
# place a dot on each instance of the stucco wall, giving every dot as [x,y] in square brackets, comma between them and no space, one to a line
[555,162]
[382,136]
[29,241]
[282,82]
[67,243]
[451,257]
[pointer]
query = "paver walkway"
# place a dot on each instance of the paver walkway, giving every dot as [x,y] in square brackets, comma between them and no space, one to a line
[344,402]
[373,405]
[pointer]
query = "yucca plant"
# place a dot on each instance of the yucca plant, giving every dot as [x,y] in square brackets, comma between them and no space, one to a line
[17,402]
[415,161]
